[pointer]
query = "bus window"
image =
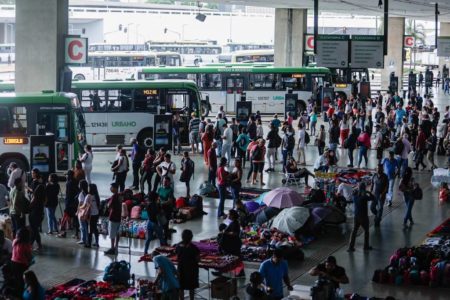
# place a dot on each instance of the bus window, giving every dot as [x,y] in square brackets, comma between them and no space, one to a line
[262,81]
[292,81]
[19,124]
[54,123]
[5,120]
[62,129]
[210,81]
[146,100]
[177,101]
[93,100]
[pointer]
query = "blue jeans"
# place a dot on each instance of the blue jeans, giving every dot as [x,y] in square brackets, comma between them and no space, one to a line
[235,190]
[222,196]
[362,153]
[285,154]
[84,230]
[403,163]
[390,193]
[219,148]
[51,219]
[153,227]
[333,146]
[212,176]
[409,201]
[376,207]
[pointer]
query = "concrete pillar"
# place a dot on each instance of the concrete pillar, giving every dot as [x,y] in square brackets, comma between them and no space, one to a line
[444,31]
[290,27]
[393,61]
[40,29]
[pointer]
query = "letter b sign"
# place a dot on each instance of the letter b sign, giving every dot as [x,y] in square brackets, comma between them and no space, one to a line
[76,50]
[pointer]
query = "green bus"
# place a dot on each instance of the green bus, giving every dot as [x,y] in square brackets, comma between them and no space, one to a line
[265,85]
[41,130]
[118,110]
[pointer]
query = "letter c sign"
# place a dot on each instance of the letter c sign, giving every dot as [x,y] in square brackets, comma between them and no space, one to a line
[409,41]
[76,50]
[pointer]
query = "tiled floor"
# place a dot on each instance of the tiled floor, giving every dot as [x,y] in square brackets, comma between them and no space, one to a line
[63,259]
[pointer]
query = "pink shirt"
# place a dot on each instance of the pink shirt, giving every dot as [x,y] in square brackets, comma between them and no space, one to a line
[21,253]
[364,139]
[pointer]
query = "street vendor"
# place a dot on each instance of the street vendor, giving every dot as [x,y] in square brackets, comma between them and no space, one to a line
[331,271]
[274,271]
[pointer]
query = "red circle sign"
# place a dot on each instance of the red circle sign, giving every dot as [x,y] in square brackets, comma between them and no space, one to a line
[74,50]
[409,41]
[310,42]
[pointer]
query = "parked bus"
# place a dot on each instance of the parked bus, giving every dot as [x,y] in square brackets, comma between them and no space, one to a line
[41,130]
[96,47]
[192,53]
[121,65]
[253,56]
[117,110]
[233,47]
[264,85]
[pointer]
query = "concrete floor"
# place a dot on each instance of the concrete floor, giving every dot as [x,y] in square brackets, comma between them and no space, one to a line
[63,259]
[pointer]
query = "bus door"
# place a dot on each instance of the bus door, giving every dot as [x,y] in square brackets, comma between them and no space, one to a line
[235,87]
[56,124]
[42,153]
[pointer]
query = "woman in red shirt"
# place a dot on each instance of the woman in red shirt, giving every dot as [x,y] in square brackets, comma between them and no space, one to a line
[222,178]
[207,139]
[364,145]
[21,255]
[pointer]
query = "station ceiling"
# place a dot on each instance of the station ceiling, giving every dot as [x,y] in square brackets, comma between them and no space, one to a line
[415,9]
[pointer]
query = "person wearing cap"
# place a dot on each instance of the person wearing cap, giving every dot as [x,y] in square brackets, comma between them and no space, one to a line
[15,172]
[361,216]
[114,207]
[331,271]
[274,271]
[194,128]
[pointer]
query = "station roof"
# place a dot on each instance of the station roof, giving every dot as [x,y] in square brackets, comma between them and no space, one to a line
[415,9]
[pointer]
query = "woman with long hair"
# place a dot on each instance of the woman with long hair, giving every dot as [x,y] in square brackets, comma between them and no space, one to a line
[344,129]
[33,289]
[21,255]
[36,215]
[82,212]
[93,201]
[406,186]
[207,139]
[70,206]
[86,162]
[52,190]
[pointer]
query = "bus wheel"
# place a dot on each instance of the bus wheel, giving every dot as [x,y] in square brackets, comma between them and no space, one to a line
[145,138]
[79,77]
[4,164]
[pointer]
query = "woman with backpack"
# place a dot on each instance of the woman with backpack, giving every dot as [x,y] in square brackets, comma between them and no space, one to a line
[52,190]
[93,201]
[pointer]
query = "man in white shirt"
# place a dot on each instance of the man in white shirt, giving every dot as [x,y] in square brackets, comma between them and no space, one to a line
[227,142]
[14,173]
[379,143]
[166,168]
[301,159]
[403,158]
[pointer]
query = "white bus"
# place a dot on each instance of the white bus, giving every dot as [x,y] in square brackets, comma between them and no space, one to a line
[96,47]
[121,65]
[7,53]
[266,55]
[192,53]
[233,47]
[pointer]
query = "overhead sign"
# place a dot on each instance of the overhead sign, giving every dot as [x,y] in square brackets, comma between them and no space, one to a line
[309,42]
[367,51]
[443,46]
[409,41]
[76,50]
[332,51]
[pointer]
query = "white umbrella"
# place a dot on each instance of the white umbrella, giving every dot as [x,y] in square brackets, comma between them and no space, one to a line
[291,219]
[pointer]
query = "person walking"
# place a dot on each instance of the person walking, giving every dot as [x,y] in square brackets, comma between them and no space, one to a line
[187,171]
[431,146]
[137,156]
[301,159]
[227,142]
[403,157]
[176,121]
[86,162]
[36,215]
[321,139]
[93,201]
[421,148]
[313,121]
[52,190]
[274,271]
[242,143]
[154,228]
[194,138]
[212,166]
[334,133]
[361,217]
[83,212]
[391,169]
[121,169]
[222,177]
[235,181]
[344,128]
[114,207]
[380,183]
[379,143]
[274,142]
[364,146]
[188,257]
[406,186]
[257,157]
[147,171]
[167,202]
[350,144]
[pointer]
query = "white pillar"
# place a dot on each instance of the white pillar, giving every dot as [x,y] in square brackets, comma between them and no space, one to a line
[393,61]
[444,31]
[290,28]
[40,29]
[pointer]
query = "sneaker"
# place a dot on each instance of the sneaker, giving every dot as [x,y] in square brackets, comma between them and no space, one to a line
[110,252]
[80,243]
[95,245]
[389,203]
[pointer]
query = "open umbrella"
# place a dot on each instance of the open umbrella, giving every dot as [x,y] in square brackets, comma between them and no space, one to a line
[291,219]
[328,215]
[283,197]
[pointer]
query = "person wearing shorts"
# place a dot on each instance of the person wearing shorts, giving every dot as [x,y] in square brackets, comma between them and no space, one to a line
[194,128]
[258,161]
[115,215]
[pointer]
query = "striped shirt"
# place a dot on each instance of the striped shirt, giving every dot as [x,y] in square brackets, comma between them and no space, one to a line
[194,125]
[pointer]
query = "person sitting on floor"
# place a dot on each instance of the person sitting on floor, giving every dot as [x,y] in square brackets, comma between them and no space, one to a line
[292,168]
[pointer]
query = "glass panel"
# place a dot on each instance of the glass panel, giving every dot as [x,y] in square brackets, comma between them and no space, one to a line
[262,81]
[146,100]
[211,81]
[62,156]
[119,100]
[62,128]
[5,120]
[93,100]
[20,119]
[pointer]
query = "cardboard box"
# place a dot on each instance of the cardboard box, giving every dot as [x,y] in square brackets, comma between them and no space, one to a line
[223,288]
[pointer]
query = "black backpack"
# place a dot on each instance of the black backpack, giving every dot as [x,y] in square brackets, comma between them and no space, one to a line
[290,142]
[307,138]
[398,147]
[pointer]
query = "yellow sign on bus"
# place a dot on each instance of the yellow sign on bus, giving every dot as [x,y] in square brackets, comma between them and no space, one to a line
[15,141]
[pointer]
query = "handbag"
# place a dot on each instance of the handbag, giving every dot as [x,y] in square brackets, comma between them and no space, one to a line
[84,213]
